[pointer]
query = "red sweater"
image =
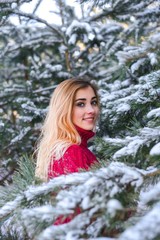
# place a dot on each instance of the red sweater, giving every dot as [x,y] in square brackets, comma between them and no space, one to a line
[75,158]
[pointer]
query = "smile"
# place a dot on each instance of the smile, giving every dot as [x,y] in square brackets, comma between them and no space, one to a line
[90,118]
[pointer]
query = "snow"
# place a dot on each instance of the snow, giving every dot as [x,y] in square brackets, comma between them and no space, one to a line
[54,68]
[114,190]
[85,202]
[154,113]
[21,135]
[26,119]
[150,169]
[30,107]
[136,52]
[131,149]
[116,141]
[93,191]
[1,124]
[155,150]
[123,107]
[129,146]
[154,39]
[10,206]
[128,174]
[75,25]
[72,39]
[149,133]
[112,206]
[89,188]
[110,28]
[151,195]
[113,99]
[135,66]
[153,58]
[13,5]
[147,228]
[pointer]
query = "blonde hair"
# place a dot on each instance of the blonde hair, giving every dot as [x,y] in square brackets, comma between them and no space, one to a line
[58,131]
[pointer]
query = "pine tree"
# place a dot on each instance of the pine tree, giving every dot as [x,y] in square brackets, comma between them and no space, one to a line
[115,43]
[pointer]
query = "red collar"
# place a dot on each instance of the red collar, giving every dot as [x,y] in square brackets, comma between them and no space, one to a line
[85,135]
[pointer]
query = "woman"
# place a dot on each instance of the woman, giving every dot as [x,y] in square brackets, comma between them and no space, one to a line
[69,124]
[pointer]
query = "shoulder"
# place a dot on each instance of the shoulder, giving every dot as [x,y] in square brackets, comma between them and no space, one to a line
[83,157]
[74,153]
[72,161]
[73,148]
[75,157]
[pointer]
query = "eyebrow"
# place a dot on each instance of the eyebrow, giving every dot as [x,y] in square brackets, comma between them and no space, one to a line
[84,99]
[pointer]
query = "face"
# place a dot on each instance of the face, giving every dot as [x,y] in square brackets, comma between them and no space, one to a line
[85,109]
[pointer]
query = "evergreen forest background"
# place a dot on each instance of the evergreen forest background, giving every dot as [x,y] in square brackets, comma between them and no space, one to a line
[115,43]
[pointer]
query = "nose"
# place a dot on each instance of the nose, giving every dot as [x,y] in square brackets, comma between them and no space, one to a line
[90,109]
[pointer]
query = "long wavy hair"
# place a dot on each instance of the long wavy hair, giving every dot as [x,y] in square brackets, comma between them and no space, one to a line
[58,131]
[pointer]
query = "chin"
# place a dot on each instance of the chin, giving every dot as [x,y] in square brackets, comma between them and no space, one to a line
[88,128]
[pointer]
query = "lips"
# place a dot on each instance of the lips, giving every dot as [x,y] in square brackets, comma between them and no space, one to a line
[89,118]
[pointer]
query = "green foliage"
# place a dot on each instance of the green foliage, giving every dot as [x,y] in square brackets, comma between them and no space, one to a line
[21,179]
[114,43]
[101,186]
[104,150]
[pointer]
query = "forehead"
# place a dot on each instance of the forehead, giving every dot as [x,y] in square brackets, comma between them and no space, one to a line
[85,93]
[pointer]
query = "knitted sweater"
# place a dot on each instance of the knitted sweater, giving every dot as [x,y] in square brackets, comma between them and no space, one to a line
[75,158]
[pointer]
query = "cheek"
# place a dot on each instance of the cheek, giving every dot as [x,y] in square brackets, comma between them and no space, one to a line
[97,111]
[76,115]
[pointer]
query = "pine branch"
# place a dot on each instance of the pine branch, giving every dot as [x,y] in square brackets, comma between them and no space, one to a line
[152,174]
[36,18]
[5,177]
[8,1]
[37,6]
[82,191]
[146,228]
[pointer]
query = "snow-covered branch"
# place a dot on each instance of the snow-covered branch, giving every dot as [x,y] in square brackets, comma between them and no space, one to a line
[95,193]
